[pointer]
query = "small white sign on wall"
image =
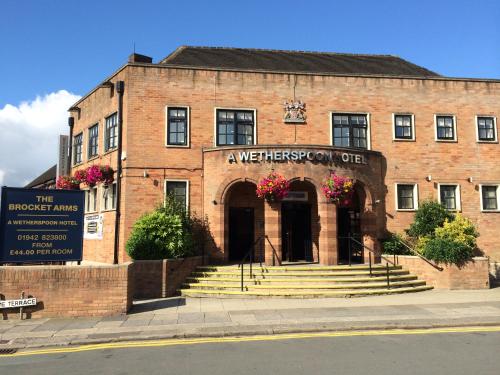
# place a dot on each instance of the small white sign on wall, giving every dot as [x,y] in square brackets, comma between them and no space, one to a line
[93,227]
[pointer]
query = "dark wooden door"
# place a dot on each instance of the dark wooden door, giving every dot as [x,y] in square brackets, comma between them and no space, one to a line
[241,232]
[348,228]
[296,231]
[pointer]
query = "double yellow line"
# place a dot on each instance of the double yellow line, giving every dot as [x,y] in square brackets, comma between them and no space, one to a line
[175,342]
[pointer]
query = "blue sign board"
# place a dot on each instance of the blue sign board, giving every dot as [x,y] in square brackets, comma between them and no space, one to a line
[40,225]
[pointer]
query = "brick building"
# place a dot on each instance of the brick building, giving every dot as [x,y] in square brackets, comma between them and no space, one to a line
[206,124]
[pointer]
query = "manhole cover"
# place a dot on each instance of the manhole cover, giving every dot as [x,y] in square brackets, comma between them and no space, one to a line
[7,351]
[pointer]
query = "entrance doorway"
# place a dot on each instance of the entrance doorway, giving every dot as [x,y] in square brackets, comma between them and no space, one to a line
[349,233]
[241,232]
[296,232]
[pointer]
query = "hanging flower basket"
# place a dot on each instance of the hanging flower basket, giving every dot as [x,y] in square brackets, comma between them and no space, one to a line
[273,187]
[97,174]
[67,183]
[338,189]
[80,176]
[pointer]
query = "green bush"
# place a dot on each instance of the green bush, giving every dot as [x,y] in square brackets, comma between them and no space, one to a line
[162,234]
[393,245]
[428,217]
[460,230]
[445,250]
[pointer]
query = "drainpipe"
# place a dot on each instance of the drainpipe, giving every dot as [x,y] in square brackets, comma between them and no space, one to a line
[71,123]
[120,88]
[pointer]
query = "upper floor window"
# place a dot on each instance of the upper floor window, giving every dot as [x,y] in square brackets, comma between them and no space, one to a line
[449,196]
[177,126]
[178,190]
[109,197]
[486,129]
[350,130]
[490,197]
[403,127]
[93,140]
[235,127]
[406,197]
[111,132]
[77,148]
[445,128]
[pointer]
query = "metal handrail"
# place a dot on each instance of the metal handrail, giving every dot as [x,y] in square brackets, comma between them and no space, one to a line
[413,251]
[275,254]
[250,253]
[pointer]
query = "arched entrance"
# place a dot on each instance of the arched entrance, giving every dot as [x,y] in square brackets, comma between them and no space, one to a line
[244,221]
[299,223]
[349,229]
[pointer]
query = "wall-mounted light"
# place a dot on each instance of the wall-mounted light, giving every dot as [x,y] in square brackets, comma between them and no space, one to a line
[214,202]
[145,174]
[429,178]
[470,179]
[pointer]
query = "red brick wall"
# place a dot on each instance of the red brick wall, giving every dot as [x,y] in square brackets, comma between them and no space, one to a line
[473,275]
[68,291]
[161,278]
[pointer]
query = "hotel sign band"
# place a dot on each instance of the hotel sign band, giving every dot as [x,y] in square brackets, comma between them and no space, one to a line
[39,225]
[326,157]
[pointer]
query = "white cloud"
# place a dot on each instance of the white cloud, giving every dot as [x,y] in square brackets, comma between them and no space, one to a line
[29,136]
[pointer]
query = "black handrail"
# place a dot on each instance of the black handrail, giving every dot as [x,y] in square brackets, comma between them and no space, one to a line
[275,254]
[413,251]
[250,253]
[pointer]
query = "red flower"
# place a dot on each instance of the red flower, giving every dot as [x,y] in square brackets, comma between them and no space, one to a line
[273,187]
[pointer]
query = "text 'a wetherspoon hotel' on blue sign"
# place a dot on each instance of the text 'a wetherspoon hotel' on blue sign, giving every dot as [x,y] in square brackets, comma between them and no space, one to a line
[39,225]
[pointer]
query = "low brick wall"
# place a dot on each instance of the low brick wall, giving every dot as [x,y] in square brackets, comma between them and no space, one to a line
[162,278]
[68,291]
[473,275]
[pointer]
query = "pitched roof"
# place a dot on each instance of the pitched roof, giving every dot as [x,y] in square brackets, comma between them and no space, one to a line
[294,61]
[48,176]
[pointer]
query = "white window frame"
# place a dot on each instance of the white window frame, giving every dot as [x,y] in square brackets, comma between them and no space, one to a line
[412,139]
[481,197]
[96,199]
[415,196]
[368,126]
[455,135]
[495,140]
[103,205]
[254,110]
[458,198]
[111,149]
[188,125]
[176,180]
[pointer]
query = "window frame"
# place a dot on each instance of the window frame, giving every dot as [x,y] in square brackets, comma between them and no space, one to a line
[188,126]
[349,113]
[415,196]
[495,131]
[235,109]
[458,201]
[89,156]
[167,180]
[103,202]
[87,193]
[454,117]
[412,127]
[105,132]
[75,162]
[497,186]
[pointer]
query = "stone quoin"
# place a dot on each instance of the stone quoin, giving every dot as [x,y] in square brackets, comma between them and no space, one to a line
[207,124]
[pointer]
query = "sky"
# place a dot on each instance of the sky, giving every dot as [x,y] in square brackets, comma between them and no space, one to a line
[54,51]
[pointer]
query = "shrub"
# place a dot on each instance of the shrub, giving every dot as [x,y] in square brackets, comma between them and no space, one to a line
[429,216]
[161,234]
[445,250]
[460,230]
[393,245]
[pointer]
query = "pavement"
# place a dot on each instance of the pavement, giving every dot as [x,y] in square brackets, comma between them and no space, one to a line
[180,317]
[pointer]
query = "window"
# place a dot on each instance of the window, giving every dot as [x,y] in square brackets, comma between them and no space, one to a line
[77,148]
[486,129]
[111,132]
[93,140]
[91,200]
[177,126]
[406,197]
[490,197]
[445,128]
[109,197]
[403,127]
[350,130]
[449,197]
[178,190]
[235,127]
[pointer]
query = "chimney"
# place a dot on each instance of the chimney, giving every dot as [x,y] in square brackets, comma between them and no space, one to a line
[136,58]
